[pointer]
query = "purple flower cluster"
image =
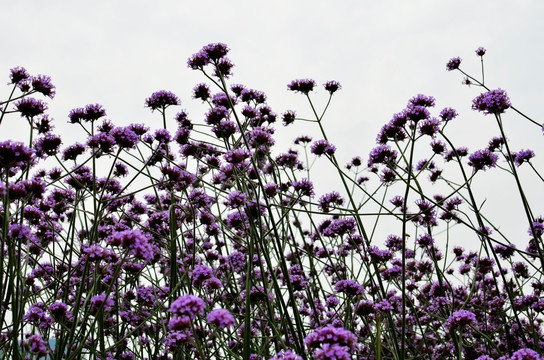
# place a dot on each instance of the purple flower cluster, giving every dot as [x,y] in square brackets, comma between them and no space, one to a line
[492,102]
[303,86]
[160,100]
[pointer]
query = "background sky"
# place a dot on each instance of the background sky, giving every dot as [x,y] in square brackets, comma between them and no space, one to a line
[117,53]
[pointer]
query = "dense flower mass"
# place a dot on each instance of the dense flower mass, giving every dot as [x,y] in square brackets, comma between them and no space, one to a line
[205,240]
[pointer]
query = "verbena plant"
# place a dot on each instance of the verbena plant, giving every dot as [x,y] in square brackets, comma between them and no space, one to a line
[204,242]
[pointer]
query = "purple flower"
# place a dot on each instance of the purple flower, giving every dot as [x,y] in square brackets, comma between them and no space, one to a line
[15,155]
[425,240]
[453,64]
[188,305]
[538,226]
[91,112]
[331,335]
[304,187]
[42,84]
[100,300]
[429,127]
[331,198]
[201,91]
[525,354]
[482,159]
[523,156]
[223,67]
[125,137]
[492,102]
[160,100]
[58,309]
[216,51]
[303,86]
[133,240]
[47,145]
[332,352]
[438,146]
[221,318]
[350,287]
[332,86]
[460,320]
[38,345]
[448,114]
[216,114]
[18,75]
[94,112]
[321,147]
[286,355]
[198,60]
[417,113]
[30,107]
[421,100]
[480,51]
[382,154]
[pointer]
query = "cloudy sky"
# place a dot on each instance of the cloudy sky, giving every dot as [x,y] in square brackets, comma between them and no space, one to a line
[117,53]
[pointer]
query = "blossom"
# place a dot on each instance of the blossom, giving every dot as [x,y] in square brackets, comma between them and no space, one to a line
[448,114]
[42,84]
[201,91]
[331,198]
[221,318]
[216,51]
[525,354]
[460,319]
[18,75]
[492,102]
[382,154]
[482,159]
[350,287]
[480,51]
[321,147]
[304,187]
[453,64]
[30,107]
[523,156]
[15,155]
[161,99]
[303,86]
[47,145]
[331,335]
[38,345]
[188,305]
[90,112]
[332,86]
[422,100]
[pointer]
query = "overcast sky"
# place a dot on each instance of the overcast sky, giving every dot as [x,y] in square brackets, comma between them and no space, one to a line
[117,53]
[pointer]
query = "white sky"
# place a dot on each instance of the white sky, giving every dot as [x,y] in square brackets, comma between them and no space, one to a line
[117,53]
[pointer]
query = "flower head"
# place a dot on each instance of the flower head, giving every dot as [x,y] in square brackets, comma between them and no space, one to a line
[483,159]
[332,86]
[321,147]
[492,102]
[161,99]
[480,51]
[188,305]
[221,318]
[460,319]
[30,107]
[42,84]
[303,86]
[18,75]
[453,64]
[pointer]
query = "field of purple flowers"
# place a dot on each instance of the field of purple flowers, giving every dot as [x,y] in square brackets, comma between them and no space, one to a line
[207,242]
